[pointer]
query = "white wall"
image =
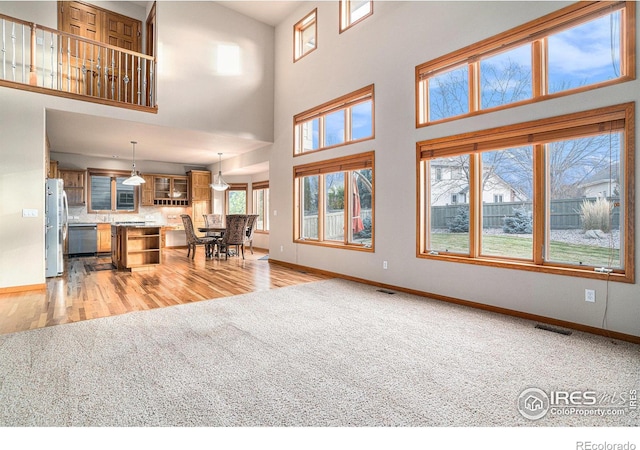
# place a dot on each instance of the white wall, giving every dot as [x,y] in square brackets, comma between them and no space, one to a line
[384,49]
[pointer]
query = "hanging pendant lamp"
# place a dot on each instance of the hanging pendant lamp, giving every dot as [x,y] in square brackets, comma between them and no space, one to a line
[135,179]
[218,183]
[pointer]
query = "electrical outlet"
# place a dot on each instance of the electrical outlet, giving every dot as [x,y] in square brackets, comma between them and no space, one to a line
[281,248]
[589,295]
[29,213]
[385,265]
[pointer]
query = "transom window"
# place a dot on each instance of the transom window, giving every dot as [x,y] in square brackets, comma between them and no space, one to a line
[354,11]
[335,202]
[305,36]
[344,120]
[261,205]
[580,47]
[554,195]
[107,194]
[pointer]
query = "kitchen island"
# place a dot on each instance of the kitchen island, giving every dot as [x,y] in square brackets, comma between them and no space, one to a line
[135,247]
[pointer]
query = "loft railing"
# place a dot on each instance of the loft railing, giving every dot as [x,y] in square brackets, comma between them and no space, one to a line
[39,58]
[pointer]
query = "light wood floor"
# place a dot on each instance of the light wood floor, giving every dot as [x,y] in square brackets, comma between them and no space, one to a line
[90,289]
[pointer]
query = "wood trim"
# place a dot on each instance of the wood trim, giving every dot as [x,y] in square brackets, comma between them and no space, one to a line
[298,28]
[342,164]
[536,33]
[352,24]
[72,96]
[584,123]
[23,288]
[601,120]
[535,29]
[260,185]
[361,95]
[496,309]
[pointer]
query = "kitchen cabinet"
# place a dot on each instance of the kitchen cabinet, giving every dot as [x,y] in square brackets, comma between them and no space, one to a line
[74,185]
[171,190]
[135,247]
[104,238]
[199,181]
[147,191]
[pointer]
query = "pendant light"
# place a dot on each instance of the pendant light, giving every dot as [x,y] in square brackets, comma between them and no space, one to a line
[218,183]
[135,179]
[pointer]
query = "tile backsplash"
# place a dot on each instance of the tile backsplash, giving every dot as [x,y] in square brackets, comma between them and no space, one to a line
[150,214]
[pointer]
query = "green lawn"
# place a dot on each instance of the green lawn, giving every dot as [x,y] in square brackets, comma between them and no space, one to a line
[521,247]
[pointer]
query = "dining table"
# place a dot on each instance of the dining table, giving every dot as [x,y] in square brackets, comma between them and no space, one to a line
[212,232]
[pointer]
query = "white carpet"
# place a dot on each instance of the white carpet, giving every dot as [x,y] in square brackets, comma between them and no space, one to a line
[329,353]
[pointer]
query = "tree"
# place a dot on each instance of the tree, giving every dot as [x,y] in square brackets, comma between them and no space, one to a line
[571,162]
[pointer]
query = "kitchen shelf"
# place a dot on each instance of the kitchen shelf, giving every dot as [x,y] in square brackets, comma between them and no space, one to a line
[136,247]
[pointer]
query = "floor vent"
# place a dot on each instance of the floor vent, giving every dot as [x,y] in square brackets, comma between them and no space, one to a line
[385,291]
[553,329]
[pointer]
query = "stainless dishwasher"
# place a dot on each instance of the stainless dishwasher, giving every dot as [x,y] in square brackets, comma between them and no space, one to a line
[83,239]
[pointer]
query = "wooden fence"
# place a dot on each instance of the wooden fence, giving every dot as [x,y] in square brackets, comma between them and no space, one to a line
[334,225]
[565,214]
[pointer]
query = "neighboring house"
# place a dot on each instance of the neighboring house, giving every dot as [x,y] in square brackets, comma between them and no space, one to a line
[450,186]
[604,183]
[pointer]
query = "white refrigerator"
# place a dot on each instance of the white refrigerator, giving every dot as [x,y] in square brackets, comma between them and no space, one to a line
[56,222]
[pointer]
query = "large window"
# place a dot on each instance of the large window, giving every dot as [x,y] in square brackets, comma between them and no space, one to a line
[580,47]
[335,202]
[261,205]
[108,194]
[237,199]
[354,11]
[554,195]
[305,36]
[344,120]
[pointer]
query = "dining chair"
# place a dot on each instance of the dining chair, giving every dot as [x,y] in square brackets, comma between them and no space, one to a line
[194,240]
[251,226]
[213,220]
[235,234]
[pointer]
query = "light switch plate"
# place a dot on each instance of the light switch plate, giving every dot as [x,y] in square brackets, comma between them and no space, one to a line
[29,213]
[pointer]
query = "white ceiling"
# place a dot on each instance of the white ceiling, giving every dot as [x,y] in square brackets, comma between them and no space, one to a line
[83,134]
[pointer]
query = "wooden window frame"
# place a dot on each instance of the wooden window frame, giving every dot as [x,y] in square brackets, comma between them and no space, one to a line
[113,174]
[344,164]
[237,187]
[345,15]
[302,25]
[343,103]
[261,186]
[535,133]
[534,32]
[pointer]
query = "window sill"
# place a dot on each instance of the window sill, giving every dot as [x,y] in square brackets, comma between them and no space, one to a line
[356,247]
[556,269]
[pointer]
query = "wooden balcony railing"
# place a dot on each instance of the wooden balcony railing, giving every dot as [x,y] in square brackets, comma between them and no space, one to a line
[42,59]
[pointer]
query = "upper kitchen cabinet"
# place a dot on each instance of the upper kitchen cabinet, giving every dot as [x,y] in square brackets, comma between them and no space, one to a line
[170,190]
[199,180]
[147,191]
[74,185]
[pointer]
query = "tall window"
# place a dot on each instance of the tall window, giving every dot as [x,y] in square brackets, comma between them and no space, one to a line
[108,194]
[344,120]
[335,202]
[354,11]
[554,195]
[580,47]
[237,199]
[261,204]
[305,36]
